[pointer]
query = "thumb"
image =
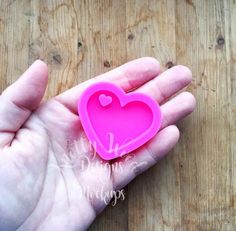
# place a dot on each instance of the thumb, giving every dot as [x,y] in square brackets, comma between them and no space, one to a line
[20,98]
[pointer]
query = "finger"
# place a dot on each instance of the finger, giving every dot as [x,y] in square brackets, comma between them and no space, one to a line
[172,111]
[127,168]
[168,83]
[177,108]
[128,76]
[20,98]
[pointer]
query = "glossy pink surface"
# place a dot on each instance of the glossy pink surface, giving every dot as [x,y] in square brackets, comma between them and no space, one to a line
[117,123]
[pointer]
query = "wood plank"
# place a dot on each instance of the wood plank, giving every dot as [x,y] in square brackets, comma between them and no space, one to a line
[14,39]
[230,37]
[54,39]
[104,34]
[154,196]
[205,176]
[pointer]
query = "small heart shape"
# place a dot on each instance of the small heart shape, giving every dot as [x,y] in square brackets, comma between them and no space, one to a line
[105,100]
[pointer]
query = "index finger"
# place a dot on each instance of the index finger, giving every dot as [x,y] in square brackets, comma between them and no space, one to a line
[128,76]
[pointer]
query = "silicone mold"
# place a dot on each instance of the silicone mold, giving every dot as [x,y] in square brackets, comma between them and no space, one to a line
[115,122]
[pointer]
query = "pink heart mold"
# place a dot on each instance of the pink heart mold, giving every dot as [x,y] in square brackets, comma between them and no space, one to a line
[115,122]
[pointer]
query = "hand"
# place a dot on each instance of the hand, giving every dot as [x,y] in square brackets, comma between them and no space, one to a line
[50,178]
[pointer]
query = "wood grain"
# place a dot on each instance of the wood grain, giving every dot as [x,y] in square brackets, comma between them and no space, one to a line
[194,188]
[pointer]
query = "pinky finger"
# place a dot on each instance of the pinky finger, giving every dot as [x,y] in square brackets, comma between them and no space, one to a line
[144,157]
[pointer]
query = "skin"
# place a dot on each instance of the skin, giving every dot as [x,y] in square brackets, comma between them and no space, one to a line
[43,148]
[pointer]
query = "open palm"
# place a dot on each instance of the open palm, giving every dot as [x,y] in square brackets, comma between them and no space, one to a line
[50,177]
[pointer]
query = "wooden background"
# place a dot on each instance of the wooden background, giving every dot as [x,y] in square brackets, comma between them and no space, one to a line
[194,188]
